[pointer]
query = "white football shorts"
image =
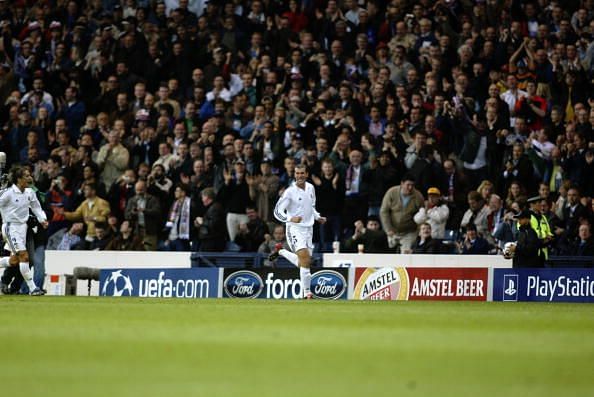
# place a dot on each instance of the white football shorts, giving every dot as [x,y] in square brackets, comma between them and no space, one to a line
[15,237]
[299,238]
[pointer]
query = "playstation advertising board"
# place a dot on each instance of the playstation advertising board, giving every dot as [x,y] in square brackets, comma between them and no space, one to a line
[421,284]
[284,283]
[543,285]
[160,283]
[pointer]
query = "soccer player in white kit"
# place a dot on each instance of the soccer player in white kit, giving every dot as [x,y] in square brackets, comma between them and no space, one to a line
[297,209]
[15,203]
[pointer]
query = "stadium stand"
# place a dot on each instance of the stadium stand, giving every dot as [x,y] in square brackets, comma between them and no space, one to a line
[487,103]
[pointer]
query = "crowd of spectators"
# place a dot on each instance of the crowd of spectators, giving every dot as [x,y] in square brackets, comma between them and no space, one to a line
[176,124]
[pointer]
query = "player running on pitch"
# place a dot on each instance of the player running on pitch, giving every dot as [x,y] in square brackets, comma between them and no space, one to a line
[15,203]
[297,209]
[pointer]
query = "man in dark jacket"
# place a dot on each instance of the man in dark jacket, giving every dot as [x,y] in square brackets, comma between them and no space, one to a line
[212,233]
[374,239]
[474,244]
[144,210]
[526,250]
[425,244]
[584,244]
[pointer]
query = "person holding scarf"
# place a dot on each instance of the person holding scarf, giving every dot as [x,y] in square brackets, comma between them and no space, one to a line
[179,219]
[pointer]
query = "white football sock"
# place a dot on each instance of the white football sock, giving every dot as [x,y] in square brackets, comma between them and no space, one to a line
[27,275]
[291,257]
[305,276]
[4,261]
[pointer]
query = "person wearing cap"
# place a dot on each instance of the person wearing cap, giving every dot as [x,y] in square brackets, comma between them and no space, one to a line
[435,213]
[528,244]
[541,226]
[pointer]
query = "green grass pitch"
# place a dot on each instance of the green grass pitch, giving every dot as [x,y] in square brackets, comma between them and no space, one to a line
[68,346]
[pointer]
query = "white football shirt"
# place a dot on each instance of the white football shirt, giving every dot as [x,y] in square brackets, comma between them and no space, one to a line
[14,205]
[297,202]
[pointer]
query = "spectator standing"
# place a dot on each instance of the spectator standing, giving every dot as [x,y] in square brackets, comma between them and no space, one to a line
[573,213]
[112,159]
[435,213]
[476,214]
[264,190]
[144,212]
[180,220]
[212,233]
[72,109]
[355,198]
[92,210]
[382,174]
[236,197]
[399,206]
[330,197]
[120,192]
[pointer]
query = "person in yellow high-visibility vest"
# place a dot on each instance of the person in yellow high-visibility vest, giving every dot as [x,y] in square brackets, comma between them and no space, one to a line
[541,226]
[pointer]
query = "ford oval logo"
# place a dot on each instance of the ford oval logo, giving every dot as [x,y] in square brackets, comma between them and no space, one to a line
[328,284]
[243,284]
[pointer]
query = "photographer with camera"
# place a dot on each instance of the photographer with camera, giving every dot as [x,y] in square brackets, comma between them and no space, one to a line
[144,212]
[158,183]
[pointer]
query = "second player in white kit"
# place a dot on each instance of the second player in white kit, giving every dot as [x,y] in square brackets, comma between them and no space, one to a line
[15,203]
[297,209]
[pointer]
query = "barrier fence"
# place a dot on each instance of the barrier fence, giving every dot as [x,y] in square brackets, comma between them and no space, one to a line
[344,276]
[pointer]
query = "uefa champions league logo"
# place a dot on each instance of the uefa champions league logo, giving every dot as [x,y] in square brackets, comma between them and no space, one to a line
[117,284]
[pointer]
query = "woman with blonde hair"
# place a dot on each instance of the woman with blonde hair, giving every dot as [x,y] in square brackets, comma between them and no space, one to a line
[485,189]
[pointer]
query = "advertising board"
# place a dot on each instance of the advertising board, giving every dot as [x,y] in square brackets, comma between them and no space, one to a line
[421,284]
[160,283]
[543,285]
[284,283]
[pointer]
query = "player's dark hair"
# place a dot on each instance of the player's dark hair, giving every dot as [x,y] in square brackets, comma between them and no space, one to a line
[16,173]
